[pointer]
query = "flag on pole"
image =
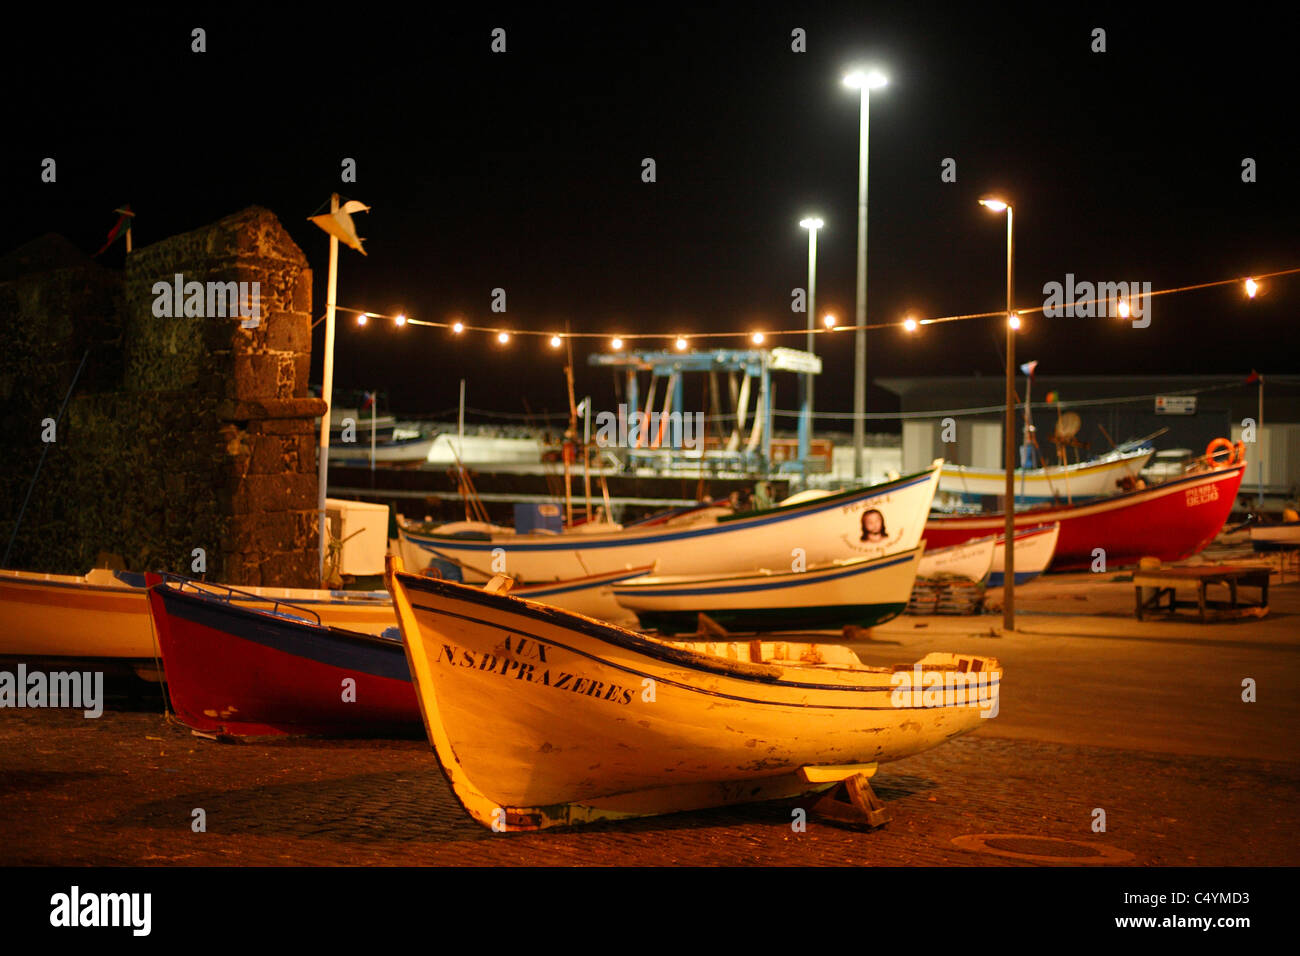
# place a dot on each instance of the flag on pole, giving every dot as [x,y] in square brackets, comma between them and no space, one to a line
[1028,368]
[123,226]
[1253,377]
[340,225]
[370,400]
[1052,397]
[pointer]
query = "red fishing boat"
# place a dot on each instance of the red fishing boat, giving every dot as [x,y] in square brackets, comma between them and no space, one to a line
[244,672]
[1170,521]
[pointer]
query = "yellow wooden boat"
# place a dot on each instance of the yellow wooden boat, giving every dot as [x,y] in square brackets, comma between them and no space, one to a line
[541,717]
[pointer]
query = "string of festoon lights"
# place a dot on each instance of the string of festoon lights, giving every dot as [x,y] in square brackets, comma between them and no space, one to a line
[681,341]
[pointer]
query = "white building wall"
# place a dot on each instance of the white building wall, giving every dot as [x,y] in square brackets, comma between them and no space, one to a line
[1278,447]
[986,445]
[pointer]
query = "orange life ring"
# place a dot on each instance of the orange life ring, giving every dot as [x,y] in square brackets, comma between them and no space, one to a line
[1220,444]
[1241,454]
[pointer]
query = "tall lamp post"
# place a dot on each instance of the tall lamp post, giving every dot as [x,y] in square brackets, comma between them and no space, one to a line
[864,82]
[812,224]
[1013,323]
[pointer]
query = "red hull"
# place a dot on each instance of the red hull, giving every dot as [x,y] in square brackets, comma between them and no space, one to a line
[249,673]
[1170,521]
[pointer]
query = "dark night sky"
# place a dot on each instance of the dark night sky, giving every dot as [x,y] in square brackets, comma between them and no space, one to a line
[522,171]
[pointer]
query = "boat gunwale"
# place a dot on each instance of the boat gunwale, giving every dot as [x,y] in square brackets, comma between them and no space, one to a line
[427,540]
[167,589]
[770,674]
[364,599]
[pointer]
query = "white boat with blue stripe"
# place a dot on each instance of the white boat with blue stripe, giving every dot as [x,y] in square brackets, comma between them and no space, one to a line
[858,591]
[872,522]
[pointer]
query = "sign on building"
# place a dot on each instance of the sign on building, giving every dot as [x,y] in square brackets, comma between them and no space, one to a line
[1175,404]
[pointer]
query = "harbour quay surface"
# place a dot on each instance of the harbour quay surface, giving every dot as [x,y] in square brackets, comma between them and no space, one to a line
[1143,721]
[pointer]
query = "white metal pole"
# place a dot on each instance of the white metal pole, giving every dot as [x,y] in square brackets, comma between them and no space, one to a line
[327,389]
[374,403]
[812,313]
[860,339]
[1009,529]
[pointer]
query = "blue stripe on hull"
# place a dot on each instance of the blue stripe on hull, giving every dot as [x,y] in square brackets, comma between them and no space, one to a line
[783,581]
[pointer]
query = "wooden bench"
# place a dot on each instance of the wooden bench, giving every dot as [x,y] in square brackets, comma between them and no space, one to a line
[1165,581]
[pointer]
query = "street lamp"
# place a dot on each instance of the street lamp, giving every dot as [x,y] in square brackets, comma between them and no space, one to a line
[865,82]
[1013,323]
[812,224]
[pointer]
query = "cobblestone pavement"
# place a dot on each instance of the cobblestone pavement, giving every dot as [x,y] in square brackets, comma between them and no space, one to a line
[122,789]
[1143,721]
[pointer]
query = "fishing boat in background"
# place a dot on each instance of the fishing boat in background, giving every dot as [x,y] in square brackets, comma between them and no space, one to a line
[244,672]
[875,521]
[361,434]
[408,449]
[1035,548]
[103,615]
[1170,521]
[970,560]
[542,718]
[858,591]
[1094,478]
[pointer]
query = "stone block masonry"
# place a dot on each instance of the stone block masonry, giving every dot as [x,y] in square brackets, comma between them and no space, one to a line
[194,431]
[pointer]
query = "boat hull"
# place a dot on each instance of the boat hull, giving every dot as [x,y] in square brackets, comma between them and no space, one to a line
[1170,521]
[401,450]
[861,593]
[249,673]
[591,596]
[1089,479]
[826,529]
[541,718]
[970,559]
[1035,549]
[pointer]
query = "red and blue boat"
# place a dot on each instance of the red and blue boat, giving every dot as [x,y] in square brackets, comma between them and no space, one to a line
[1170,521]
[241,671]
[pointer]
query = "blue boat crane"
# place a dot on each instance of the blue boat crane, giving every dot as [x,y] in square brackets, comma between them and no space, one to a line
[662,436]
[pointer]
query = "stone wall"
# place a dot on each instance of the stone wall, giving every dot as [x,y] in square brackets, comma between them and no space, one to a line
[186,431]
